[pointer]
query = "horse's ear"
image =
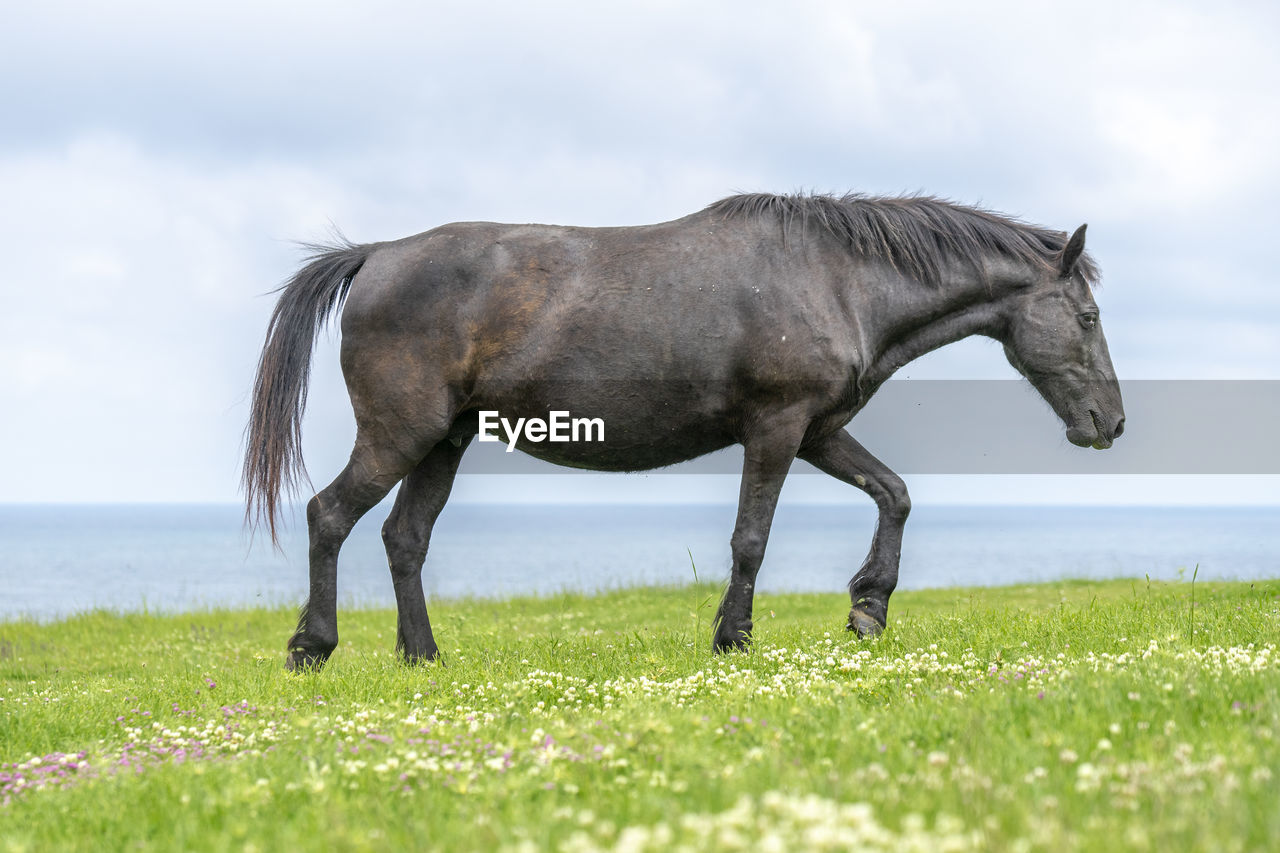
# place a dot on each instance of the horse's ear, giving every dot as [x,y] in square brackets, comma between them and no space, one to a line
[1072,252]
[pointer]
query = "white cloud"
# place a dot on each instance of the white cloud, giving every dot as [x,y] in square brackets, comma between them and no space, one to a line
[132,318]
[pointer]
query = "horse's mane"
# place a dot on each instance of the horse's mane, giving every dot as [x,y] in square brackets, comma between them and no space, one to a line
[918,235]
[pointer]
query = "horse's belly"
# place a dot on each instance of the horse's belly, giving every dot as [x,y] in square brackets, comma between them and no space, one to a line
[605,426]
[601,456]
[609,443]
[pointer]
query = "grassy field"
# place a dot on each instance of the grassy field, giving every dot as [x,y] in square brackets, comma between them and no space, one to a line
[1076,715]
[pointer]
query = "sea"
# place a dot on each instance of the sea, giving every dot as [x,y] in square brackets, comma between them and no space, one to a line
[59,560]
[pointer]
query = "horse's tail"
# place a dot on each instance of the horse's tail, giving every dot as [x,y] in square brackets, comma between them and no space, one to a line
[273,438]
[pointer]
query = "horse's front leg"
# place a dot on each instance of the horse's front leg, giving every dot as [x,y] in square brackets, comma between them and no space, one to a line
[768,452]
[845,459]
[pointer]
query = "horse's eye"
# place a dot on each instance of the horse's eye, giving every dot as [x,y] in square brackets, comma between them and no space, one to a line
[1089,319]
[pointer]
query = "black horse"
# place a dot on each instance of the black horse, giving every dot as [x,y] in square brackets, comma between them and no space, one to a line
[762,320]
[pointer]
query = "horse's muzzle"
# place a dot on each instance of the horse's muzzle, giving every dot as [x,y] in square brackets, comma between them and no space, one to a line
[1099,432]
[1104,437]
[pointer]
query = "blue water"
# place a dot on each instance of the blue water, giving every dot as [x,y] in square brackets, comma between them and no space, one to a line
[59,560]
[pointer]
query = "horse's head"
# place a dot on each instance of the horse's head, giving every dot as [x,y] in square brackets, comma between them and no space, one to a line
[1054,338]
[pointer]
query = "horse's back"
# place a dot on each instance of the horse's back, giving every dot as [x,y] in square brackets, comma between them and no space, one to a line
[646,300]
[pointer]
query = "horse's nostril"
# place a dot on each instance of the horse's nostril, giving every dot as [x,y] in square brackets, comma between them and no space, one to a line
[1119,427]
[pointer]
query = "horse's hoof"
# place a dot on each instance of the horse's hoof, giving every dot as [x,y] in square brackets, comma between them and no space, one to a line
[865,624]
[300,660]
[732,641]
[421,658]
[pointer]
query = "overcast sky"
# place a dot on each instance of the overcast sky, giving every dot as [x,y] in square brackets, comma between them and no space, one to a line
[157,159]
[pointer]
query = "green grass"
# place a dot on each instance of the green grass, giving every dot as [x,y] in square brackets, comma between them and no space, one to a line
[1077,715]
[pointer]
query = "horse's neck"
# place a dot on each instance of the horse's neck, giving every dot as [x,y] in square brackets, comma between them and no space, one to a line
[934,318]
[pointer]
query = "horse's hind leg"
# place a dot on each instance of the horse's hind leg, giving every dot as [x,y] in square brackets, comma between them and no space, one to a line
[841,456]
[369,475]
[407,535]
